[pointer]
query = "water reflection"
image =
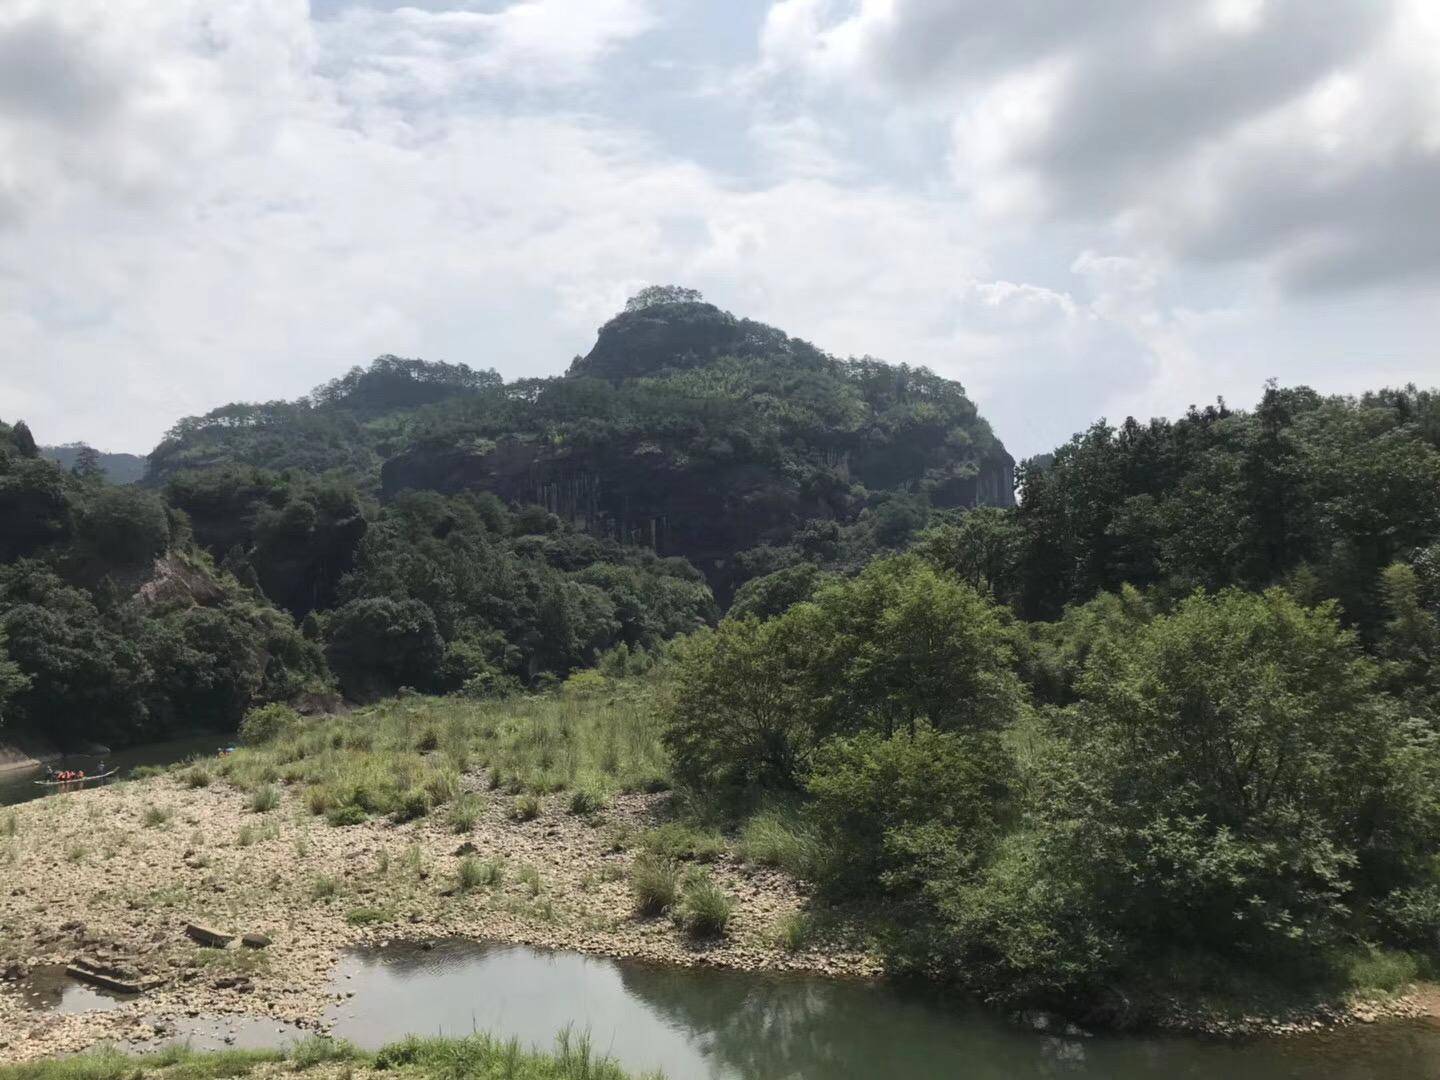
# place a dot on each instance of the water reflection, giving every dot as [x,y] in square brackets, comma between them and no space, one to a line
[47,988]
[696,1023]
[18,785]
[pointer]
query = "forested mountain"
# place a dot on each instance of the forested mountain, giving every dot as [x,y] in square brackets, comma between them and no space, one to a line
[434,527]
[685,430]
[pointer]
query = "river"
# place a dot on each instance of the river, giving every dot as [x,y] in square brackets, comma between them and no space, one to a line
[18,785]
[702,1024]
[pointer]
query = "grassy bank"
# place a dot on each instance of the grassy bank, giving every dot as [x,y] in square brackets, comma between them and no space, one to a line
[404,757]
[479,1057]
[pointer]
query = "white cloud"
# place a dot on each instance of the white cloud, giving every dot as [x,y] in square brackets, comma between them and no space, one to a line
[423,54]
[1298,135]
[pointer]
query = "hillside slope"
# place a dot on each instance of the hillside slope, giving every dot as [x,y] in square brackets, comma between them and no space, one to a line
[685,430]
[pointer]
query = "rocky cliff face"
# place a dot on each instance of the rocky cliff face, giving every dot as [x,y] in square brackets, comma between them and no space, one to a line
[642,493]
[715,434]
[637,493]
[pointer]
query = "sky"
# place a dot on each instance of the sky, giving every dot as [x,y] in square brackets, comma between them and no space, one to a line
[1077,208]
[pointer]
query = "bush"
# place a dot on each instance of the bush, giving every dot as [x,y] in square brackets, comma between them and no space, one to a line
[465,813]
[901,810]
[588,800]
[793,932]
[267,722]
[469,874]
[783,841]
[346,814]
[412,804]
[526,808]
[680,841]
[1252,778]
[705,909]
[197,776]
[739,714]
[900,643]
[156,816]
[369,916]
[265,799]
[654,884]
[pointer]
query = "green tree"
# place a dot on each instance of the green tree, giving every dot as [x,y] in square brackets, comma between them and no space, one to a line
[1243,778]
[123,526]
[911,809]
[739,713]
[12,679]
[378,645]
[655,295]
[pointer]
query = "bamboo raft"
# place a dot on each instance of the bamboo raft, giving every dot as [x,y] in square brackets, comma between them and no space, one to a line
[78,781]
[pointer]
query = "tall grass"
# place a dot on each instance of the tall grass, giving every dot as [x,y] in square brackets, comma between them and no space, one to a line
[781,838]
[705,908]
[574,1058]
[404,756]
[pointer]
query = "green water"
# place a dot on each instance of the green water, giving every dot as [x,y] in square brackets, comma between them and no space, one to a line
[19,786]
[697,1023]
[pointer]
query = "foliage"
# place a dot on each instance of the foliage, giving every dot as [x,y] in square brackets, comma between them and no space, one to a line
[895,646]
[381,644]
[1229,784]
[12,678]
[1340,486]
[704,908]
[267,722]
[911,808]
[654,884]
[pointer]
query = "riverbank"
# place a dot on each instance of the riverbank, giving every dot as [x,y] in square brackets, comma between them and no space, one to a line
[18,757]
[474,1056]
[115,875]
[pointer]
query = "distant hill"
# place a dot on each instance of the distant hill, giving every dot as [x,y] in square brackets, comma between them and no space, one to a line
[118,468]
[686,430]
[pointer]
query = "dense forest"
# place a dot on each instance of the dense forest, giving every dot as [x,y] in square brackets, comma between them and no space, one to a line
[1172,724]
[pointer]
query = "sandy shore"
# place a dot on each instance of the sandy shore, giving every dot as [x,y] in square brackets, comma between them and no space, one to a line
[85,875]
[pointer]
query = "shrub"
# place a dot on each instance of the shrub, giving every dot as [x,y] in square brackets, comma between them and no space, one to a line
[783,841]
[526,808]
[324,887]
[465,813]
[678,840]
[412,804]
[654,884]
[197,776]
[898,644]
[1250,775]
[369,916]
[156,816]
[705,909]
[265,799]
[588,800]
[267,722]
[793,932]
[739,714]
[472,873]
[346,814]
[897,811]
